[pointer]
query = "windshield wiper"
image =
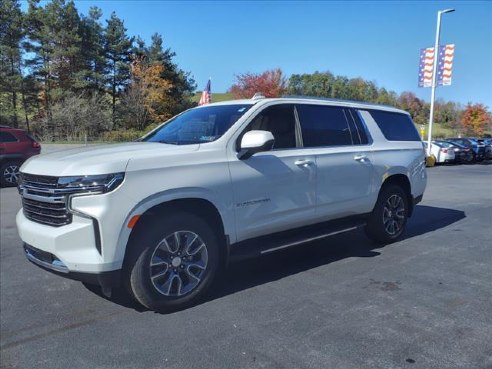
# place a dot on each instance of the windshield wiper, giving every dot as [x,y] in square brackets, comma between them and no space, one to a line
[169,142]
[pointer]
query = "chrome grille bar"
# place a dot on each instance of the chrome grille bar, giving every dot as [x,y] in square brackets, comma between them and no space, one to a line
[43,202]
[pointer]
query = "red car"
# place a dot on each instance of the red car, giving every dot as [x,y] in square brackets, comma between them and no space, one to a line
[16,146]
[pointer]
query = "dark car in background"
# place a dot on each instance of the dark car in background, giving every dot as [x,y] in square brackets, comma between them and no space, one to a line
[488,147]
[462,153]
[16,146]
[477,147]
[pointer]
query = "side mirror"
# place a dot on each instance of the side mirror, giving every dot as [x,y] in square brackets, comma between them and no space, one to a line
[255,141]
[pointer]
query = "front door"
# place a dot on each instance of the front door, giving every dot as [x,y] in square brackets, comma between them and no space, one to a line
[274,190]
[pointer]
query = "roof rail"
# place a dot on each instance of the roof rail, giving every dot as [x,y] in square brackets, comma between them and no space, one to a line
[304,97]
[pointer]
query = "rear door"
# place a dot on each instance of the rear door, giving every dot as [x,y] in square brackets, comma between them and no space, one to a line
[346,180]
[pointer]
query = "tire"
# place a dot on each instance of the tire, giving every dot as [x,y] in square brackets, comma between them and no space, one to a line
[430,161]
[388,219]
[8,173]
[184,253]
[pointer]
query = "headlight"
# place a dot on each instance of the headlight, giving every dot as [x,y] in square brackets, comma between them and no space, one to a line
[99,183]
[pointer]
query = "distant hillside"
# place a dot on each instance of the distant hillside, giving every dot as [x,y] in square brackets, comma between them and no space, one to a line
[216,97]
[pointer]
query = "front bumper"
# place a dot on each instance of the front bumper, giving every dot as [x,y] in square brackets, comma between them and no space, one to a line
[51,263]
[73,245]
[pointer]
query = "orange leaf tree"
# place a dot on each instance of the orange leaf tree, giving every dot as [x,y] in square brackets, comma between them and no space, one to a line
[148,93]
[475,119]
[271,83]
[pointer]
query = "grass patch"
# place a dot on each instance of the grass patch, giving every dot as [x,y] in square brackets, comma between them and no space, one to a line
[216,97]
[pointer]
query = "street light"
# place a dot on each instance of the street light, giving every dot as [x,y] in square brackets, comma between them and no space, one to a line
[434,77]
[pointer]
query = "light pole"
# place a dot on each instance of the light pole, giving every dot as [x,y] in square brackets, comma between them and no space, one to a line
[434,77]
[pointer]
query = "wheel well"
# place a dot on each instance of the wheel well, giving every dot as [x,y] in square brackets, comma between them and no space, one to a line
[402,181]
[200,207]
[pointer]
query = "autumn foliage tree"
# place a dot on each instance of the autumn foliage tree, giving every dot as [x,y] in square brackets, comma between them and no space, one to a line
[147,95]
[475,119]
[271,83]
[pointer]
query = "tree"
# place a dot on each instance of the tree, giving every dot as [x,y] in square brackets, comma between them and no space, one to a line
[11,34]
[447,114]
[417,108]
[475,119]
[118,47]
[77,115]
[270,83]
[54,49]
[182,85]
[316,84]
[93,51]
[146,97]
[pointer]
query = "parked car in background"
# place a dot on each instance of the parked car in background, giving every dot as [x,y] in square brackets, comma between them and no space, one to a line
[488,147]
[462,153]
[441,152]
[16,146]
[477,147]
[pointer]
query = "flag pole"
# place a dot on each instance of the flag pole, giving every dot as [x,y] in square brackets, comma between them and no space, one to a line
[434,77]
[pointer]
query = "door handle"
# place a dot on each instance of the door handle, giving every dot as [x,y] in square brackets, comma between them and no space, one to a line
[361,158]
[303,162]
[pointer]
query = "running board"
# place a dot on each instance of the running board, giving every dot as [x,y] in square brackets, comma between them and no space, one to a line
[283,240]
[308,240]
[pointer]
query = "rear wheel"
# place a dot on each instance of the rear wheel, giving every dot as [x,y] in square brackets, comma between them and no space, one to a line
[389,217]
[172,262]
[9,172]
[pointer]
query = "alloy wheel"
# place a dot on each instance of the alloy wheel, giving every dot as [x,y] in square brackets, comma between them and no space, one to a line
[10,173]
[394,214]
[178,263]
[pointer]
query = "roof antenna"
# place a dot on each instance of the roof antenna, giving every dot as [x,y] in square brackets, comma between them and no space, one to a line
[258,96]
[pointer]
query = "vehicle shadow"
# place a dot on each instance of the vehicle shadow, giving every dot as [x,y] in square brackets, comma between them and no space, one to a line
[275,266]
[249,273]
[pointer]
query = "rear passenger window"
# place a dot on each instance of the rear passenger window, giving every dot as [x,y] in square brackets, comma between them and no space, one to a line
[7,137]
[395,126]
[324,126]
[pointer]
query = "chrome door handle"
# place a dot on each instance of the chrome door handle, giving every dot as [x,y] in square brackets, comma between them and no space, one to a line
[361,158]
[303,163]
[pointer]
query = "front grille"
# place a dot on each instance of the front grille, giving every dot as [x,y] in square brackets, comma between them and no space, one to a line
[54,214]
[39,181]
[42,202]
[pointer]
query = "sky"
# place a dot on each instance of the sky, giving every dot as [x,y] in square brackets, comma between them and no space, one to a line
[378,41]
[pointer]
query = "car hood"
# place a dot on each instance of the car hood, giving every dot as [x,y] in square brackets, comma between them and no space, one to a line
[103,159]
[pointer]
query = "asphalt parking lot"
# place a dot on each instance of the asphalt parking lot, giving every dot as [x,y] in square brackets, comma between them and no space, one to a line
[423,302]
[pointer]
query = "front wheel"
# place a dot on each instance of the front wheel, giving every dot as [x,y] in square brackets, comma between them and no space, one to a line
[172,262]
[389,217]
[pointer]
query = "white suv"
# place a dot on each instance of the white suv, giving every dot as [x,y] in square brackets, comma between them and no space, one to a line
[160,217]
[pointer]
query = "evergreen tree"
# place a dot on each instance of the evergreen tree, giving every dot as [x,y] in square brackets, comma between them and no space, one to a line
[118,47]
[93,52]
[182,85]
[39,48]
[11,34]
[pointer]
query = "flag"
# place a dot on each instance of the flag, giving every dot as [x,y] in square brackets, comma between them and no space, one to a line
[444,65]
[206,95]
[426,67]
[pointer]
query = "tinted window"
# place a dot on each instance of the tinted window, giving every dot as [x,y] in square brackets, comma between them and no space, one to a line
[360,129]
[279,120]
[395,126]
[7,137]
[198,125]
[324,126]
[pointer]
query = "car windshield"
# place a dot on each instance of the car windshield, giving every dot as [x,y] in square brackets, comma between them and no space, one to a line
[199,125]
[445,144]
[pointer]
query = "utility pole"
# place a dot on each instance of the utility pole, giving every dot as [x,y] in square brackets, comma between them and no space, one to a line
[434,77]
